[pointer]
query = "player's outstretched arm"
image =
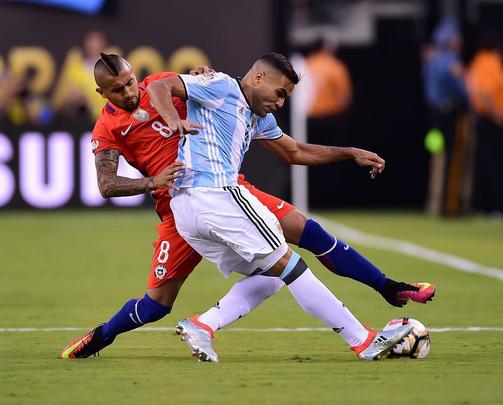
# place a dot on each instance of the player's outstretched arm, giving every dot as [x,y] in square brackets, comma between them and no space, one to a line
[299,153]
[112,185]
[161,93]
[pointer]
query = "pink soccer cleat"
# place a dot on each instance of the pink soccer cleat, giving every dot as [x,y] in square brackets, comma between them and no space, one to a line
[425,292]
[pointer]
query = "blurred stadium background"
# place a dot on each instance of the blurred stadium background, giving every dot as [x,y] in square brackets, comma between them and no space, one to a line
[62,245]
[48,105]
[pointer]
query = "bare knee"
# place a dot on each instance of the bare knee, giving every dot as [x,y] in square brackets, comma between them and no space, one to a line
[277,269]
[166,294]
[293,225]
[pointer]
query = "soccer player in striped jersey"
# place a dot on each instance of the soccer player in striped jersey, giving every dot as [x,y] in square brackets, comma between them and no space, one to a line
[131,127]
[221,219]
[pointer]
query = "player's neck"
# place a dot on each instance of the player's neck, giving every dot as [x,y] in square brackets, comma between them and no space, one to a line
[246,86]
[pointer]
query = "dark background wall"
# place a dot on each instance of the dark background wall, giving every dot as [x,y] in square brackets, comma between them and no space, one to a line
[388,115]
[231,33]
[225,29]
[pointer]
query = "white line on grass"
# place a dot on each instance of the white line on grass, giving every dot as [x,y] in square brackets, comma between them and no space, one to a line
[409,249]
[260,330]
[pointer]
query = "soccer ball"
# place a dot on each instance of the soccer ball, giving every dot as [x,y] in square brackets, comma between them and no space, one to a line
[417,343]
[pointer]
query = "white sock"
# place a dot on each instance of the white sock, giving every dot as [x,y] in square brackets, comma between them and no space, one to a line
[245,295]
[318,301]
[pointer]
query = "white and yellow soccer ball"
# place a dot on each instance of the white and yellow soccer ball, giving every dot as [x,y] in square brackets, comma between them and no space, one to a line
[416,344]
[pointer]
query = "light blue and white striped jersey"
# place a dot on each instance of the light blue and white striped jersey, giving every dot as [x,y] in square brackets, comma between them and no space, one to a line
[213,157]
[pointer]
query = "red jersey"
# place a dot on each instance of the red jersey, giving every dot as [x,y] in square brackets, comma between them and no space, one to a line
[141,137]
[144,140]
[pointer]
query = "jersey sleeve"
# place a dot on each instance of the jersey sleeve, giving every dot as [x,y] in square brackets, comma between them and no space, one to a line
[209,89]
[102,139]
[268,129]
[177,101]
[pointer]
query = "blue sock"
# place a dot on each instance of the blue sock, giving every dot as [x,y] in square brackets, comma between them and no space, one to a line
[135,313]
[340,259]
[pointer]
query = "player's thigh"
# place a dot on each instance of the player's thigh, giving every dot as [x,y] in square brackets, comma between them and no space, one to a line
[291,219]
[173,257]
[230,216]
[254,232]
[221,255]
[211,219]
[293,224]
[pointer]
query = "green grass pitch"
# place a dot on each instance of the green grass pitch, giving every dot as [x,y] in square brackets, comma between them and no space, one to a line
[75,269]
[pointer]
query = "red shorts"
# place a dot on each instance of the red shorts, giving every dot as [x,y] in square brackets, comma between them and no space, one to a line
[173,257]
[277,206]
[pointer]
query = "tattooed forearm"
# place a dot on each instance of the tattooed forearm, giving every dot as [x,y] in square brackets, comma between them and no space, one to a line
[111,185]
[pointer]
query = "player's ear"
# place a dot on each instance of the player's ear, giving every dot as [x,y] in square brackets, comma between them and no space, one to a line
[258,78]
[100,92]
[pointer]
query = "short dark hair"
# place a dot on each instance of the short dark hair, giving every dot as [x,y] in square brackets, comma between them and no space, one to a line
[282,65]
[110,62]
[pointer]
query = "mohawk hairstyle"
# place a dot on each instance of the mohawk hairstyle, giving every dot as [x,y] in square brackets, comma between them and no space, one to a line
[282,65]
[111,62]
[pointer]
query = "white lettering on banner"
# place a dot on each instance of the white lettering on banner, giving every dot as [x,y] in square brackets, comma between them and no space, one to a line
[47,168]
[89,192]
[7,181]
[58,189]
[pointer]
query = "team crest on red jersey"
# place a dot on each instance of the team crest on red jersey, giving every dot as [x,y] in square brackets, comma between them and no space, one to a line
[160,272]
[141,115]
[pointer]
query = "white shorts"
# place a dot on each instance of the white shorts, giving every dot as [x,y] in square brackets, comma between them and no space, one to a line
[230,227]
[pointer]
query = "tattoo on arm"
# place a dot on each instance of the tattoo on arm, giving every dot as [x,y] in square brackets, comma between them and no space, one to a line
[112,185]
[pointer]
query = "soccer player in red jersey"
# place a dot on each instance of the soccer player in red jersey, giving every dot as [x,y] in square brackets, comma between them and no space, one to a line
[131,127]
